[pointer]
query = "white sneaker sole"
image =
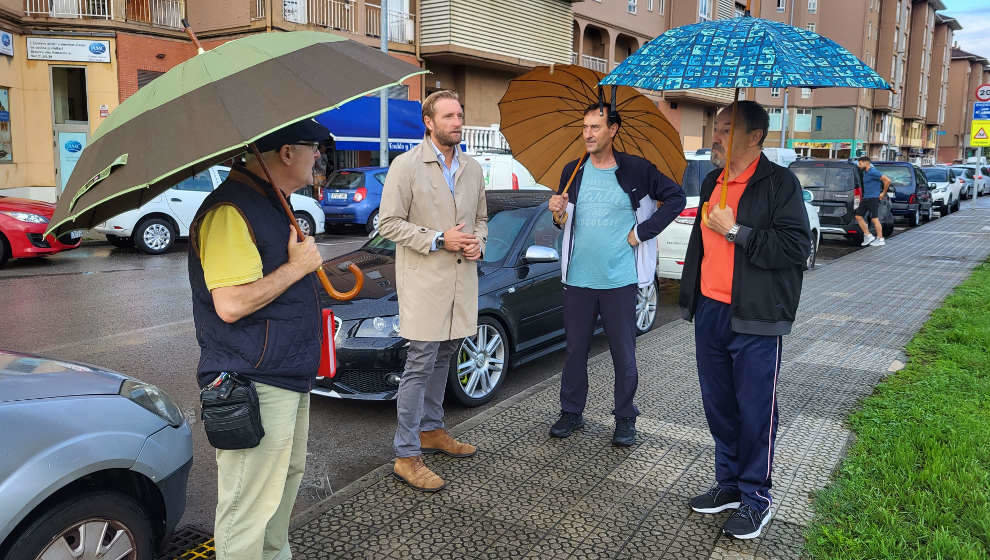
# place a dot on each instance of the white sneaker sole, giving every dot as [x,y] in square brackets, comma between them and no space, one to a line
[719,509]
[756,533]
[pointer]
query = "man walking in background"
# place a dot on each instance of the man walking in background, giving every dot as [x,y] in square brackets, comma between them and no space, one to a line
[433,208]
[741,285]
[875,185]
[607,253]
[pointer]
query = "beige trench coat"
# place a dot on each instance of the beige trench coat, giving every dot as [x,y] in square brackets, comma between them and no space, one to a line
[438,291]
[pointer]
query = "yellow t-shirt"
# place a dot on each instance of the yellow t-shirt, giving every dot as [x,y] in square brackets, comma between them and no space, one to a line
[226,250]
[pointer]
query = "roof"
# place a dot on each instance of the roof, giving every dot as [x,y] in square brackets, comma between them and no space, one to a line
[958,54]
[950,21]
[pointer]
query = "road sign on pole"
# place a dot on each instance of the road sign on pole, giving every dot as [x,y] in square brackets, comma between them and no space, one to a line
[980,134]
[981,111]
[983,92]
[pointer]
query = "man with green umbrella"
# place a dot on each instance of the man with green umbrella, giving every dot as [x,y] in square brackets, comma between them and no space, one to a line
[257,313]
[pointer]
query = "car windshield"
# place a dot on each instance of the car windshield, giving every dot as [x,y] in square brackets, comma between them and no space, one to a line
[830,178]
[694,174]
[349,180]
[503,229]
[937,174]
[898,174]
[964,171]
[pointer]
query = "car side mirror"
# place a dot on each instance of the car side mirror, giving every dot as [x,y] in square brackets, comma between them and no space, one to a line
[808,197]
[541,254]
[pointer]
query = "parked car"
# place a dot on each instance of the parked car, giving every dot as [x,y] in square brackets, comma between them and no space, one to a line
[976,177]
[912,198]
[94,463]
[22,230]
[985,171]
[967,180]
[352,196]
[504,172]
[673,241]
[837,190]
[154,227]
[520,308]
[944,188]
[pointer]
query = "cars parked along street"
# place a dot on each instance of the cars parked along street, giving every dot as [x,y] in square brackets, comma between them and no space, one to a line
[912,198]
[977,180]
[22,230]
[352,196]
[837,190]
[944,188]
[504,172]
[94,463]
[967,180]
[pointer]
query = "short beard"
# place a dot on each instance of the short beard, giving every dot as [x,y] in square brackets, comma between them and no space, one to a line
[717,160]
[443,139]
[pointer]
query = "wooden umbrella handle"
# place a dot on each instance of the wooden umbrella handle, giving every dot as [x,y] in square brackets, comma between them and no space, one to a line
[728,157]
[320,273]
[562,217]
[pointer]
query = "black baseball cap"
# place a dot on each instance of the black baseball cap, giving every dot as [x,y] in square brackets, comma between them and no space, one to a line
[306,130]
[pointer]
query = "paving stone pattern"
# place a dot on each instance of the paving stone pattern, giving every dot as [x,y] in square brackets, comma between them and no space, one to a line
[526,495]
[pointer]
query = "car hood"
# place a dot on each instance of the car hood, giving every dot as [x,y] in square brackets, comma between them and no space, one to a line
[11,204]
[377,297]
[25,377]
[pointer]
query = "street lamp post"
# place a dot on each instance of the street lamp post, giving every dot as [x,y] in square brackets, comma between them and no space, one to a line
[383,94]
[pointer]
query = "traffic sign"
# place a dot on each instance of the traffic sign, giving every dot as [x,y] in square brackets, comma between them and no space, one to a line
[980,134]
[981,111]
[983,92]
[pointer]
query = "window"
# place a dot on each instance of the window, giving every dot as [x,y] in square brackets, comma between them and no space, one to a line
[545,234]
[812,6]
[780,5]
[805,93]
[631,6]
[869,30]
[811,27]
[662,2]
[200,182]
[649,5]
[774,92]
[776,114]
[144,77]
[6,146]
[802,121]
[704,10]
[818,122]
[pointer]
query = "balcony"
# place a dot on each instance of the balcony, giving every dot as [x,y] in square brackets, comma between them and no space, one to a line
[90,9]
[401,25]
[595,63]
[163,13]
[485,140]
[332,14]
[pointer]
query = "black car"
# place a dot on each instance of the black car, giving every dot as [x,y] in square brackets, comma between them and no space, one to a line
[912,197]
[837,186]
[520,308]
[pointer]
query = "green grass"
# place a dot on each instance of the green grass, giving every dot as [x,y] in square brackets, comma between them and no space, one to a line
[916,483]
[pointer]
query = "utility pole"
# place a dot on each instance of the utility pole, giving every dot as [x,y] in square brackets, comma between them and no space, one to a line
[383,94]
[784,116]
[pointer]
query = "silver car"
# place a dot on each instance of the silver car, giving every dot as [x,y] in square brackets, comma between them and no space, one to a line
[94,463]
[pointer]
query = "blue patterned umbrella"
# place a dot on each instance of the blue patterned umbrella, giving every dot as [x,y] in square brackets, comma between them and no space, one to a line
[739,53]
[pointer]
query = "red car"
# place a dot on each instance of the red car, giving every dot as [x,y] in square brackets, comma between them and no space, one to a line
[22,230]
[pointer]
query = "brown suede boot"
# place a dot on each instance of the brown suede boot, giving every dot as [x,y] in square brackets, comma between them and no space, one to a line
[439,441]
[414,472]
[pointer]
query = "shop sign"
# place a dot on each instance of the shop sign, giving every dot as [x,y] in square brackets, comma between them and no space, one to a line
[68,50]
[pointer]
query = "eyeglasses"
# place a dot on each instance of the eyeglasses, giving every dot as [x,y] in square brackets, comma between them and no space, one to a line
[314,145]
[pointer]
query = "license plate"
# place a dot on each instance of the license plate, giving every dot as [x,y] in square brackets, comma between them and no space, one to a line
[338,196]
[75,234]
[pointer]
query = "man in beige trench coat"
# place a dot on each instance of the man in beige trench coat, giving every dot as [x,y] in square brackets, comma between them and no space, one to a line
[433,207]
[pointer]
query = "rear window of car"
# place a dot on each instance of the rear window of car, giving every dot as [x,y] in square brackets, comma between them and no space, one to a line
[694,174]
[830,178]
[898,174]
[936,174]
[964,171]
[346,180]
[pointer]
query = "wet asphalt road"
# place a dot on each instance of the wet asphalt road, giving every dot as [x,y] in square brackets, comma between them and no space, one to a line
[132,313]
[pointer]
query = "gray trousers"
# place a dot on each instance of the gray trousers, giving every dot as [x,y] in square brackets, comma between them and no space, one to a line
[419,404]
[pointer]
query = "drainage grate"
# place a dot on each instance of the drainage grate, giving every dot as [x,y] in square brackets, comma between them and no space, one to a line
[189,543]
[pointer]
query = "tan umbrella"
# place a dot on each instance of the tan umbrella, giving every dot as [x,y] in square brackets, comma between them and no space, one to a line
[543,115]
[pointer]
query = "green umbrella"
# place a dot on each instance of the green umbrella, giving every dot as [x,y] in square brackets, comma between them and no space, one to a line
[211,108]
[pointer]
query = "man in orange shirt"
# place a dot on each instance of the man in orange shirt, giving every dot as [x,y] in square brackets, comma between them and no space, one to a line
[741,284]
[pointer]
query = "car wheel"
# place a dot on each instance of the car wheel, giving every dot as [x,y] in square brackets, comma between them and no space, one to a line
[306,223]
[91,525]
[4,250]
[479,366]
[154,236]
[915,219]
[372,224]
[929,215]
[955,207]
[813,256]
[122,242]
[646,307]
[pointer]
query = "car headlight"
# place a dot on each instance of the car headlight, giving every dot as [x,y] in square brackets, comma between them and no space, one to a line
[153,400]
[378,327]
[27,217]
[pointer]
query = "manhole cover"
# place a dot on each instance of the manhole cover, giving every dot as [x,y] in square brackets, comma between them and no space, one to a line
[189,543]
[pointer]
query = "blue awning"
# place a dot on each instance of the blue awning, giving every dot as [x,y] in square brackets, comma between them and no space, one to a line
[354,125]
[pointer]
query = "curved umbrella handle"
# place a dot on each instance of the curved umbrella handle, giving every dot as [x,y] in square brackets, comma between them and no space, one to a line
[334,293]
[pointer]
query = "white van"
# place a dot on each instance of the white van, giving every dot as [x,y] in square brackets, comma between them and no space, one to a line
[503,172]
[781,156]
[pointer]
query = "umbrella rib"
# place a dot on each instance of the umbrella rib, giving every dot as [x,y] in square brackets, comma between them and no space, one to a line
[663,131]
[531,117]
[579,96]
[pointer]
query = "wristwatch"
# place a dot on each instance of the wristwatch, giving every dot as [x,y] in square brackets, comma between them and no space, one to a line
[730,236]
[440,241]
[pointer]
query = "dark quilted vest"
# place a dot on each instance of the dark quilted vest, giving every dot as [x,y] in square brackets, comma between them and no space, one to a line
[279,344]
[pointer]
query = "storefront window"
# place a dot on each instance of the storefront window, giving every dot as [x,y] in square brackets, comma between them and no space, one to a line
[6,147]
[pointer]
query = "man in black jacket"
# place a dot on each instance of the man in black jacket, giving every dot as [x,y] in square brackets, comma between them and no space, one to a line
[606,255]
[741,284]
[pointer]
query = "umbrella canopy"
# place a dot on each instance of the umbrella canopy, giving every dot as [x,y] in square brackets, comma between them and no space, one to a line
[742,52]
[208,109]
[542,116]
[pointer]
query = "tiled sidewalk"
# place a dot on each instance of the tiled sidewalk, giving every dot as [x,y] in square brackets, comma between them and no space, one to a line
[526,495]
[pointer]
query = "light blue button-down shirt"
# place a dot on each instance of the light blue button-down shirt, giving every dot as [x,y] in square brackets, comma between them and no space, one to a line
[449,174]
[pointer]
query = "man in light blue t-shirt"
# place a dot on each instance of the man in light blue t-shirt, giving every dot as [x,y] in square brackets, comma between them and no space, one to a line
[875,185]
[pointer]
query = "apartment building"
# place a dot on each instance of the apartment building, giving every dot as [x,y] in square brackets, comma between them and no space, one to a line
[938,82]
[966,72]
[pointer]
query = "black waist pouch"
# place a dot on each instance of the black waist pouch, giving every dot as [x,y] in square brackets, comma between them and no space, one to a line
[231,412]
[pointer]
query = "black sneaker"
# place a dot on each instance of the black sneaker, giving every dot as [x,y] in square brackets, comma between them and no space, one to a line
[747,523]
[716,500]
[625,432]
[566,424]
